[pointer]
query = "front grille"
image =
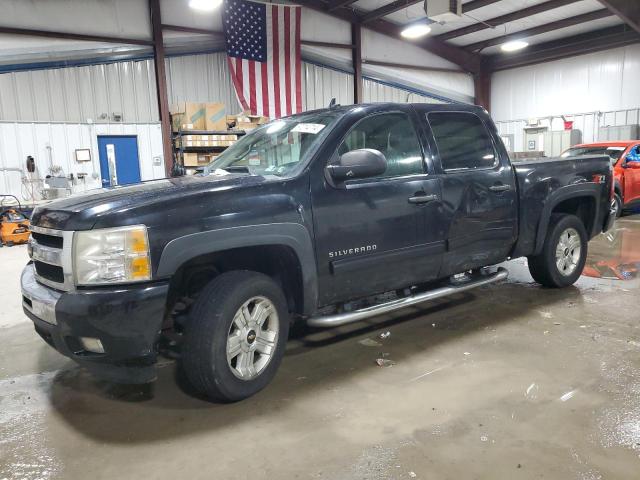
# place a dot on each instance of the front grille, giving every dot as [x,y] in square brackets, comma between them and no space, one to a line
[52,273]
[48,240]
[50,251]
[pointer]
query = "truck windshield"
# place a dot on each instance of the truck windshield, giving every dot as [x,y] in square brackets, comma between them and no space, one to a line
[614,153]
[277,147]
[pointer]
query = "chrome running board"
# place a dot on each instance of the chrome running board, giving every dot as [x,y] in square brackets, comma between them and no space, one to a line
[349,317]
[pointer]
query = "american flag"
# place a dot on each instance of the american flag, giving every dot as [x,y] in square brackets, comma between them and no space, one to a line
[263,54]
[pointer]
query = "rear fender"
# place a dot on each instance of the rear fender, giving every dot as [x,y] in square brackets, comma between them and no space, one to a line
[565,193]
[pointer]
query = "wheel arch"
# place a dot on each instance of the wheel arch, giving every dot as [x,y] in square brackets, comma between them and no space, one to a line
[282,246]
[581,200]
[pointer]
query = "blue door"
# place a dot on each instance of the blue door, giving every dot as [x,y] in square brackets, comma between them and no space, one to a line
[119,162]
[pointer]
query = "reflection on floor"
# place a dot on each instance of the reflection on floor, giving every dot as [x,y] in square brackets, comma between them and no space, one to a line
[508,381]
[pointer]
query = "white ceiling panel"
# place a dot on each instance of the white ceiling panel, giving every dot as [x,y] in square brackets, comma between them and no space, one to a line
[564,32]
[543,18]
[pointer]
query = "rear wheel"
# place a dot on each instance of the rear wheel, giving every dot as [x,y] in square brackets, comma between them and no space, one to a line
[563,255]
[235,336]
[616,204]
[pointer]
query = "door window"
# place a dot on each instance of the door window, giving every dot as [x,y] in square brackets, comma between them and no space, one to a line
[394,136]
[463,141]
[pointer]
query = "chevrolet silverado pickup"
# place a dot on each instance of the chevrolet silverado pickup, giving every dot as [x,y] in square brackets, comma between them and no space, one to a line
[325,217]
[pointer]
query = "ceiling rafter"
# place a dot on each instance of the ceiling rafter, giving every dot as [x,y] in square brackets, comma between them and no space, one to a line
[502,19]
[547,27]
[334,4]
[465,60]
[627,10]
[590,42]
[400,4]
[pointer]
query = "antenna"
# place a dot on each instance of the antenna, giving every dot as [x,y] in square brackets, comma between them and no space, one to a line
[333,103]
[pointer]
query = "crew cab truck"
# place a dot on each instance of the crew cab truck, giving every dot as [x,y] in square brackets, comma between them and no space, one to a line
[625,157]
[308,218]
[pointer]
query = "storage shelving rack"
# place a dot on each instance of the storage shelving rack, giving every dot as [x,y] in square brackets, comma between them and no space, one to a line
[179,148]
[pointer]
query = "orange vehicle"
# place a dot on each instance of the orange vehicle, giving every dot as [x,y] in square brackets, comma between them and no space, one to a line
[625,157]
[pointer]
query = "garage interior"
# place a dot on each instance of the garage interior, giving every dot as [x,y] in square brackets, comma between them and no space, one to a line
[511,380]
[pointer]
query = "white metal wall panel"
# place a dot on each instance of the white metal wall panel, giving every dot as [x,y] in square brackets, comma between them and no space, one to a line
[75,94]
[373,91]
[201,78]
[321,84]
[56,143]
[602,81]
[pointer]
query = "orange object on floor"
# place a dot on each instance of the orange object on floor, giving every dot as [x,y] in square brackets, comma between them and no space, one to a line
[14,227]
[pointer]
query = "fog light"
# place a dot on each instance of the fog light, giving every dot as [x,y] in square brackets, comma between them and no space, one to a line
[92,345]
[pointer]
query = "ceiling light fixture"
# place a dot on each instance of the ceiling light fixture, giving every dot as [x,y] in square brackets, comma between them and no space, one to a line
[416,30]
[514,46]
[205,5]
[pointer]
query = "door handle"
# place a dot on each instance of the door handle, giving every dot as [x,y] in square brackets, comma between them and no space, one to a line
[423,198]
[500,188]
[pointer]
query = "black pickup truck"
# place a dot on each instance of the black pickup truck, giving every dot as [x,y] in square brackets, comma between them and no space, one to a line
[326,217]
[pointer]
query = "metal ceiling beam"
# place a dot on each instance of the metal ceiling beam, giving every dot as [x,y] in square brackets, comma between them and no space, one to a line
[547,27]
[400,4]
[333,4]
[627,10]
[502,19]
[465,60]
[74,36]
[584,43]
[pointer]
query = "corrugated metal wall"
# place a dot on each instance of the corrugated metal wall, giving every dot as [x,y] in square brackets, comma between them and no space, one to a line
[45,113]
[55,144]
[75,94]
[373,91]
[321,84]
[201,78]
[127,88]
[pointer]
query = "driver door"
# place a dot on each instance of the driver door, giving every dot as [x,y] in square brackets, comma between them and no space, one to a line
[377,234]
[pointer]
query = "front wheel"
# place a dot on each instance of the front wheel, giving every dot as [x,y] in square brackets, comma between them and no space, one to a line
[563,255]
[235,336]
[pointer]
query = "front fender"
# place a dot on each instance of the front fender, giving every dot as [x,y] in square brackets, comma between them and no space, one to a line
[180,250]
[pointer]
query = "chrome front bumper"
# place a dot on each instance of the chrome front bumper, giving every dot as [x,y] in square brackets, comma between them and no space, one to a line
[38,299]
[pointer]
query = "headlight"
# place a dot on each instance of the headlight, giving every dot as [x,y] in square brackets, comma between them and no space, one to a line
[111,255]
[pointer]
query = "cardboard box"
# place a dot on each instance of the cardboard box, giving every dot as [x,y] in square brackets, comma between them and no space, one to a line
[196,159]
[215,117]
[188,116]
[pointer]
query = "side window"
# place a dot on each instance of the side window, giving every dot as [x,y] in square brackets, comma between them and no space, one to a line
[463,141]
[394,136]
[634,154]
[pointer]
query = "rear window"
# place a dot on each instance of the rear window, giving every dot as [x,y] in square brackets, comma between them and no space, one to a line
[463,141]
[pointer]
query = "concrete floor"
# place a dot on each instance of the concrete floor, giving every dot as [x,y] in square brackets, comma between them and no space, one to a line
[512,381]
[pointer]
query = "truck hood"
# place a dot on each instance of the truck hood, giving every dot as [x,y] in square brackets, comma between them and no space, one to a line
[83,211]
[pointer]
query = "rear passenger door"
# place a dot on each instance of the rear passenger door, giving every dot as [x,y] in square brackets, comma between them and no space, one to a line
[478,191]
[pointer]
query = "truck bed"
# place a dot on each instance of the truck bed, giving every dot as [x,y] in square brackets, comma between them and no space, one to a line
[540,184]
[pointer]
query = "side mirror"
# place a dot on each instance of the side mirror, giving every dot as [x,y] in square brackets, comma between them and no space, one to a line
[362,163]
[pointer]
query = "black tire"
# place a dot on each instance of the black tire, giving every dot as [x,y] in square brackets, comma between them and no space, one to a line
[543,267]
[618,203]
[204,350]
